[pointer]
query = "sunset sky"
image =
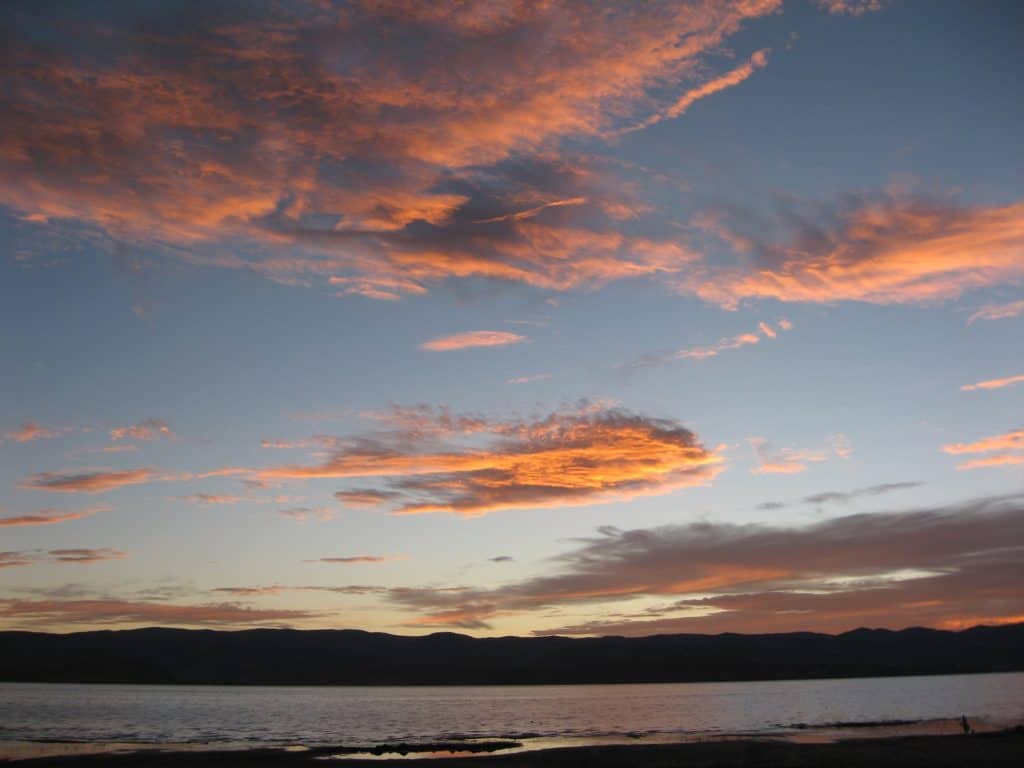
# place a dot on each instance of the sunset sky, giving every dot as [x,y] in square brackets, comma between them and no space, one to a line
[512,317]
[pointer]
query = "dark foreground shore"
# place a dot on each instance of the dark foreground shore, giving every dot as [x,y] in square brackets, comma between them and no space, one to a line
[996,748]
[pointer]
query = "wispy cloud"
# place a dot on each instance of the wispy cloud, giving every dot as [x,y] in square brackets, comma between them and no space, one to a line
[81,556]
[528,379]
[87,481]
[316,441]
[471,339]
[213,498]
[994,383]
[302,514]
[998,311]
[278,589]
[85,556]
[733,77]
[15,559]
[52,516]
[1008,440]
[998,460]
[764,331]
[889,249]
[788,461]
[587,455]
[366,498]
[1007,450]
[150,429]
[844,497]
[107,612]
[529,213]
[30,431]
[354,559]
[850,7]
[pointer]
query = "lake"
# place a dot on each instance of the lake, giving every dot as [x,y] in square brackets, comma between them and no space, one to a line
[358,716]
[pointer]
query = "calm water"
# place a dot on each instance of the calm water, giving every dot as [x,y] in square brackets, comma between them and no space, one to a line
[358,715]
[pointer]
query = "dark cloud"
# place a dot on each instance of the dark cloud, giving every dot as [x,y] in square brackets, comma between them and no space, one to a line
[109,611]
[79,556]
[843,497]
[85,556]
[944,566]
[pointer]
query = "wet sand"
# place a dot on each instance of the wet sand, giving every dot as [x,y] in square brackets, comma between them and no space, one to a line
[995,748]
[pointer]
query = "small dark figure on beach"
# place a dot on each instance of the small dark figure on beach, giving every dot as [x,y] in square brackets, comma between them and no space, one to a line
[965,725]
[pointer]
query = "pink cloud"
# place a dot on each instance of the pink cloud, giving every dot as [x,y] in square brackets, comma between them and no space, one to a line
[471,339]
[150,429]
[87,481]
[789,461]
[994,383]
[998,311]
[52,516]
[30,431]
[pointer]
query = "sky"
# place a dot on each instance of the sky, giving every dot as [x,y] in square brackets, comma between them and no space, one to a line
[511,318]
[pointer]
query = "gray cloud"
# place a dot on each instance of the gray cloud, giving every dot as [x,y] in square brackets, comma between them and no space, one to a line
[938,566]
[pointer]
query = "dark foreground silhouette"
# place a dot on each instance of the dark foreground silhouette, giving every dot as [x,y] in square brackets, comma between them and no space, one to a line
[351,657]
[1002,748]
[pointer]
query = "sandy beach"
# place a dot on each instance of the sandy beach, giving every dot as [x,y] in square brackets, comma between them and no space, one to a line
[995,748]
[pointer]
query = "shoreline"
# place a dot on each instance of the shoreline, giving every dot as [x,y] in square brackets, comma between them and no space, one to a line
[997,747]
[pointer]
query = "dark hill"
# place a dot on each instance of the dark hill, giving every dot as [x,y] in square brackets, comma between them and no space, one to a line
[350,657]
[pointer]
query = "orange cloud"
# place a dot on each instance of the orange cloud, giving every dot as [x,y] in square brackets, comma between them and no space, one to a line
[471,339]
[1009,441]
[889,251]
[789,461]
[150,429]
[365,498]
[734,77]
[585,456]
[722,345]
[30,431]
[1008,447]
[87,481]
[734,342]
[999,460]
[998,311]
[51,516]
[994,383]
[529,213]
[354,169]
